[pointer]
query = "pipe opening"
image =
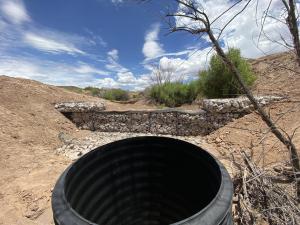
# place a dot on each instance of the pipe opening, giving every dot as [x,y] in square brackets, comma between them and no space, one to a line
[145,180]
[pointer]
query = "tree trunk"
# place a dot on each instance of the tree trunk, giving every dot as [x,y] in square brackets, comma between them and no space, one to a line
[293,27]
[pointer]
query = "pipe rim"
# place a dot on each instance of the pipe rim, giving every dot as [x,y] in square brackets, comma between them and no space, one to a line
[224,193]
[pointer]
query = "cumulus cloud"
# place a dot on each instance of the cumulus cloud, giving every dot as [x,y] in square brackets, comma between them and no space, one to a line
[152,48]
[14,11]
[183,69]
[124,78]
[107,83]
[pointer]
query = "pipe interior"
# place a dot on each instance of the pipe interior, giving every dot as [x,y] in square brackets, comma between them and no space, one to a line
[145,181]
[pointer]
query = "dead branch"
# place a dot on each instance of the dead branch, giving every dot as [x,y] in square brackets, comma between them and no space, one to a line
[258,198]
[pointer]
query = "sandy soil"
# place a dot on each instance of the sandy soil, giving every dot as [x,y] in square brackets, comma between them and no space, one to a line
[29,128]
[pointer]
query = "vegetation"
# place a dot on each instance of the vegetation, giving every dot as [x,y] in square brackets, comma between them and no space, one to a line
[174,94]
[115,95]
[93,91]
[215,82]
[219,82]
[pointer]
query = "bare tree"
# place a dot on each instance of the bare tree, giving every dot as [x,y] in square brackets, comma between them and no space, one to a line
[164,74]
[161,75]
[199,24]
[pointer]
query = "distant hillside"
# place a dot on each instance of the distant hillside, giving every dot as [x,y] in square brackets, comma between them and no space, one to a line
[72,88]
[112,94]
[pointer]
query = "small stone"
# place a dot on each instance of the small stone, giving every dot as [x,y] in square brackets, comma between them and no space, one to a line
[218,140]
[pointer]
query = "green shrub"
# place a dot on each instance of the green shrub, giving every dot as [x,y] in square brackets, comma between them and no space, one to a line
[93,91]
[174,94]
[115,95]
[219,82]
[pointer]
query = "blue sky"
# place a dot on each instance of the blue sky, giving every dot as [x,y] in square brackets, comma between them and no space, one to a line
[110,43]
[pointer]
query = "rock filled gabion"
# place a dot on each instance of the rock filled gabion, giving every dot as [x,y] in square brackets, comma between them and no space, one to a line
[70,107]
[215,114]
[236,105]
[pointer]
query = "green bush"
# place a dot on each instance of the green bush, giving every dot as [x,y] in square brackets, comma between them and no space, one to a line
[115,95]
[174,94]
[219,82]
[93,91]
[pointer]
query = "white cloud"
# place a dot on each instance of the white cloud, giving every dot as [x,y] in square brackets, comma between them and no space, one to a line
[46,71]
[152,48]
[117,1]
[50,45]
[87,69]
[180,53]
[14,11]
[95,39]
[243,32]
[182,69]
[127,80]
[32,35]
[114,54]
[112,62]
[185,69]
[19,35]
[124,77]
[107,83]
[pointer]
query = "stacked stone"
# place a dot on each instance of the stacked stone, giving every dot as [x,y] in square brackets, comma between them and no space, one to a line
[112,121]
[236,105]
[80,107]
[215,114]
[140,122]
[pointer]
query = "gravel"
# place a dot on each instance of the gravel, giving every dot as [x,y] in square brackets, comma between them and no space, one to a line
[74,148]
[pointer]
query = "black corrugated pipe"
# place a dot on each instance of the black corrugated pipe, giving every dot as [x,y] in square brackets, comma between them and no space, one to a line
[144,181]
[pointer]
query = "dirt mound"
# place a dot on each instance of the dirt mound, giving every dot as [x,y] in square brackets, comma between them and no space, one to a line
[29,128]
[277,74]
[27,113]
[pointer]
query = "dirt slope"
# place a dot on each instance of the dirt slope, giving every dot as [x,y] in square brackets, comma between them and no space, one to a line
[29,126]
[277,74]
